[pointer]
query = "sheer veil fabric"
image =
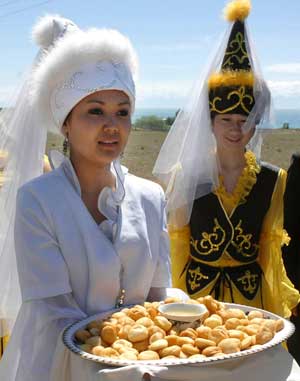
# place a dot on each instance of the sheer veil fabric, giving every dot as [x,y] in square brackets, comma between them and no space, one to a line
[23,141]
[187,164]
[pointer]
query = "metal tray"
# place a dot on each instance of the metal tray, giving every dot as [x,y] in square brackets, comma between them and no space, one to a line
[70,342]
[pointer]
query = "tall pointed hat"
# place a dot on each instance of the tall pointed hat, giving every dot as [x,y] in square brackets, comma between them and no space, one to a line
[232,82]
[231,89]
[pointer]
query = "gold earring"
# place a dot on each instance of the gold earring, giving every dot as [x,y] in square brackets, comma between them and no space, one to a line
[65,146]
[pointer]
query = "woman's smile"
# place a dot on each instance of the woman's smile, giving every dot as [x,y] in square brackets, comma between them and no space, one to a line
[234,139]
[108,144]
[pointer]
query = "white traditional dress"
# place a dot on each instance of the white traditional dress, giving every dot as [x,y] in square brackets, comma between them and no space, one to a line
[70,267]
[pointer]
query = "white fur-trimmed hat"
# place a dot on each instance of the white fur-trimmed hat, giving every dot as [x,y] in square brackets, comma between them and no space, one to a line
[50,29]
[79,64]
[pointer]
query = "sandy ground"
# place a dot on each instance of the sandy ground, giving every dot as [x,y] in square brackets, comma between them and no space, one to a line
[143,148]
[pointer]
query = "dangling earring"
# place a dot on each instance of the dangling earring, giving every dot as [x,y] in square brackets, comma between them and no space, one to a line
[66,146]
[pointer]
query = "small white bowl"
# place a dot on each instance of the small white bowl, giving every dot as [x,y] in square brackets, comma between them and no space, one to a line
[183,311]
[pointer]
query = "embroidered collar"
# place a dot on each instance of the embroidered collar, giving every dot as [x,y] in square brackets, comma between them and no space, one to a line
[243,187]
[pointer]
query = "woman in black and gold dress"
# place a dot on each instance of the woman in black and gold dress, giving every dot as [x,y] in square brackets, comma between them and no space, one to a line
[225,206]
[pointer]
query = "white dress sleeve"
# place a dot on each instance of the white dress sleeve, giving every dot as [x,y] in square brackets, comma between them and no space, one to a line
[162,274]
[29,354]
[42,270]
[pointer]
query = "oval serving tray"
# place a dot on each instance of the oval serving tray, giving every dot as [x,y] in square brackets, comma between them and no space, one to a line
[70,342]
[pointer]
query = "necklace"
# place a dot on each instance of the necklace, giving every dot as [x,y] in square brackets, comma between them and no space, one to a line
[244,185]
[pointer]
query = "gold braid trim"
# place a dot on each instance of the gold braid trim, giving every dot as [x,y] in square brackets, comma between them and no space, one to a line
[243,187]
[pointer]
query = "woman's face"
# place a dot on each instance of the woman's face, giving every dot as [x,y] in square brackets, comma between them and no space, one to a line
[98,127]
[228,131]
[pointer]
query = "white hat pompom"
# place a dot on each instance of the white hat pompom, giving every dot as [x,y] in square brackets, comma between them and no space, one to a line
[46,31]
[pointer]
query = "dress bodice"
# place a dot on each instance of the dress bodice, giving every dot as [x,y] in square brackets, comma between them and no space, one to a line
[224,247]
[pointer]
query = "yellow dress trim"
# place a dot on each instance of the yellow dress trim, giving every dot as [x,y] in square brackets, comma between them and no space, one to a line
[180,254]
[243,187]
[3,344]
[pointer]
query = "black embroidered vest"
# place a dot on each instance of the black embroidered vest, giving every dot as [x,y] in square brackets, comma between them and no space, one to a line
[213,233]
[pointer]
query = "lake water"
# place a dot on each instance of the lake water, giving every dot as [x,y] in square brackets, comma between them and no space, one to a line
[292,117]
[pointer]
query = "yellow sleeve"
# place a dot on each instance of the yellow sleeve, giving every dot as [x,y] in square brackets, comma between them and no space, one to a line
[47,166]
[180,254]
[279,294]
[3,344]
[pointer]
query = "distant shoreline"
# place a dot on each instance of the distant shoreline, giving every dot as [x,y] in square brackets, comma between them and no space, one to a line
[281,116]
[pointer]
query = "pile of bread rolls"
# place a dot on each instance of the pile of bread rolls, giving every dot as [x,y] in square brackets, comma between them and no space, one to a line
[141,333]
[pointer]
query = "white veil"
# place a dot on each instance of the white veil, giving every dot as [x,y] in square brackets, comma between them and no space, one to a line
[187,162]
[23,140]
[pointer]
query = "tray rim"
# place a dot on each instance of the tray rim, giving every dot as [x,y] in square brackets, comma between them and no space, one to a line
[69,332]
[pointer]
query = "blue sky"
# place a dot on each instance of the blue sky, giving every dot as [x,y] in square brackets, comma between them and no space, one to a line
[173,39]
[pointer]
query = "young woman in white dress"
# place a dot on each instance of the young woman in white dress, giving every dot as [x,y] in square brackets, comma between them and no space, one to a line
[89,236]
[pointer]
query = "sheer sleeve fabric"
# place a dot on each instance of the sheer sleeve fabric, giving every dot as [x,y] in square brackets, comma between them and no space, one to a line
[279,294]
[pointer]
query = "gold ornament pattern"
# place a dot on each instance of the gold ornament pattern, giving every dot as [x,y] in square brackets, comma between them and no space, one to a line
[241,95]
[238,51]
[242,242]
[195,277]
[249,282]
[211,242]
